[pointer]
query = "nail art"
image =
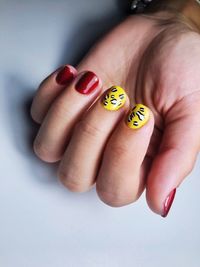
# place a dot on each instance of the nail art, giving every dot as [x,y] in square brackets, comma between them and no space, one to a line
[138,116]
[66,75]
[87,83]
[168,203]
[114,98]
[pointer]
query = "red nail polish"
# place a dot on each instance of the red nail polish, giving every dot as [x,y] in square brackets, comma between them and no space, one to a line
[87,83]
[66,75]
[168,203]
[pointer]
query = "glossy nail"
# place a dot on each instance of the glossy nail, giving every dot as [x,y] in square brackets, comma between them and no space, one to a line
[66,75]
[168,203]
[87,83]
[114,98]
[138,116]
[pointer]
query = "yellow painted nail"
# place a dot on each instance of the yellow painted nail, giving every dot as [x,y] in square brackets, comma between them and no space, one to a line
[138,116]
[114,98]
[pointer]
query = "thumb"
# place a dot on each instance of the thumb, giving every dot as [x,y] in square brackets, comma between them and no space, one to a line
[177,154]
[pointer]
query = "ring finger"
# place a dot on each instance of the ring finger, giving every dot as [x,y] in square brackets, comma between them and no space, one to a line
[80,164]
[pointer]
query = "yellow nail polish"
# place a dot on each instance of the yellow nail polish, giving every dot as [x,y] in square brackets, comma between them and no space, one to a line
[138,116]
[114,98]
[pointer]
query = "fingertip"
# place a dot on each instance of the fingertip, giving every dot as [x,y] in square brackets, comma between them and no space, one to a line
[115,98]
[139,117]
[153,201]
[163,179]
[161,205]
[49,89]
[65,75]
[87,83]
[168,203]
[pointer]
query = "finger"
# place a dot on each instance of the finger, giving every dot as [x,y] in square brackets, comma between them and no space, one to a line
[121,177]
[58,124]
[177,155]
[80,164]
[49,89]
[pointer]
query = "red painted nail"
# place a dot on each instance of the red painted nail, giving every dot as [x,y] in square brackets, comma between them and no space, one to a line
[168,203]
[66,75]
[87,83]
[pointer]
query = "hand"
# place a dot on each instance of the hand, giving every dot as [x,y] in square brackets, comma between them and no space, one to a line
[158,65]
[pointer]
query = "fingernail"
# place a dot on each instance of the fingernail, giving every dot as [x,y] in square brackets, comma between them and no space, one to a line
[66,75]
[168,203]
[138,116]
[87,83]
[114,98]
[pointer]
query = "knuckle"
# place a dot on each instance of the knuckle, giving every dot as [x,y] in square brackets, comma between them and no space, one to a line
[34,115]
[71,183]
[191,165]
[117,151]
[39,149]
[36,110]
[42,152]
[115,199]
[87,128]
[61,110]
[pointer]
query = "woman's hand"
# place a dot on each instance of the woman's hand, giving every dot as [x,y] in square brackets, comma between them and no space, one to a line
[157,62]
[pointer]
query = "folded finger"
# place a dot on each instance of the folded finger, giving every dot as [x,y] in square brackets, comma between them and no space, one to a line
[80,163]
[121,178]
[49,89]
[65,111]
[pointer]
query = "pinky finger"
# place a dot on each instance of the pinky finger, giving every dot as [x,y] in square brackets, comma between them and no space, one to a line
[49,89]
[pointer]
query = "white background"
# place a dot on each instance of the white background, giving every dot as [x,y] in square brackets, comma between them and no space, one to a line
[41,223]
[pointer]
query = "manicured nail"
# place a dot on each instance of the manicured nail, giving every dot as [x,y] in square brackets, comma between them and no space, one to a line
[66,75]
[87,83]
[168,203]
[114,98]
[138,116]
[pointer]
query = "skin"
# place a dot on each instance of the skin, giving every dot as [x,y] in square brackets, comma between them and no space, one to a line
[157,63]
